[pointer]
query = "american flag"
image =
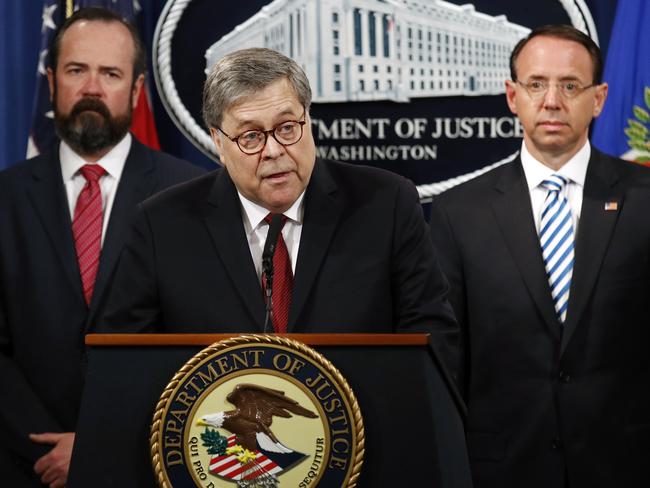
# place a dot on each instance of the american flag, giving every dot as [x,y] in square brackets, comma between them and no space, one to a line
[42,135]
[228,466]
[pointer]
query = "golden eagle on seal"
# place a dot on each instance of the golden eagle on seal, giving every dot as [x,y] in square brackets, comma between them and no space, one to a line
[251,420]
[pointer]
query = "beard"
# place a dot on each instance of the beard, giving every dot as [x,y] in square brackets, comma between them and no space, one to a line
[90,128]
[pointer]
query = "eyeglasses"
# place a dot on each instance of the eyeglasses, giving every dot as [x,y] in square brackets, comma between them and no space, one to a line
[568,89]
[253,141]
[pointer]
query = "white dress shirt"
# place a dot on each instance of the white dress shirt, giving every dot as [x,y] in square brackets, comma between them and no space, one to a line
[575,170]
[256,230]
[113,162]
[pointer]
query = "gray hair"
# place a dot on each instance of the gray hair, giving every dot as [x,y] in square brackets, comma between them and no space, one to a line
[246,71]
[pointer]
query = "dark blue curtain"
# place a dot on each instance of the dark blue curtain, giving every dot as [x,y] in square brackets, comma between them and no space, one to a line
[20,25]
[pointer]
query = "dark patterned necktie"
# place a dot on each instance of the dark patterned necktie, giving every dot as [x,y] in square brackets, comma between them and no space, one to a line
[282,282]
[87,227]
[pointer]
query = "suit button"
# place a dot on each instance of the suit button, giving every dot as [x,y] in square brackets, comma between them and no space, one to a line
[564,377]
[557,443]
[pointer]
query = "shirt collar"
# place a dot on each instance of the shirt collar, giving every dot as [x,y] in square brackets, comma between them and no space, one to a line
[254,214]
[112,162]
[575,169]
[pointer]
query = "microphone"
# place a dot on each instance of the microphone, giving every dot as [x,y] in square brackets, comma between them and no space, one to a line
[275,227]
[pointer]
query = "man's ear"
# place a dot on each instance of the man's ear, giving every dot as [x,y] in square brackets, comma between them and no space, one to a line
[218,143]
[51,81]
[511,95]
[599,99]
[137,87]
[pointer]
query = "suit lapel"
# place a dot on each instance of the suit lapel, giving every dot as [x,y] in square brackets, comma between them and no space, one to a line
[323,211]
[514,216]
[136,184]
[47,194]
[594,234]
[224,222]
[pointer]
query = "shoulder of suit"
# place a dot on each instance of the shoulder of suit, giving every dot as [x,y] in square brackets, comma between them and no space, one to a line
[23,169]
[352,174]
[166,162]
[633,173]
[196,189]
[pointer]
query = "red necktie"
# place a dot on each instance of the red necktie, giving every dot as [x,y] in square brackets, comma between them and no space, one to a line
[282,282]
[87,227]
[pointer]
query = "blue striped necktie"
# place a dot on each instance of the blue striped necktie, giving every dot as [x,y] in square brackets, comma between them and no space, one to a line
[556,238]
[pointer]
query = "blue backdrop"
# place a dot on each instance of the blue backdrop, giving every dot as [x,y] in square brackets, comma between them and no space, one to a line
[20,24]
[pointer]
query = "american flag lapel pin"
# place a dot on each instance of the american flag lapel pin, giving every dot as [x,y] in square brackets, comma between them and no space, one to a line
[611,206]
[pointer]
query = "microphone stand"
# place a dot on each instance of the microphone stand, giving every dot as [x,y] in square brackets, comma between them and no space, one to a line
[275,226]
[267,269]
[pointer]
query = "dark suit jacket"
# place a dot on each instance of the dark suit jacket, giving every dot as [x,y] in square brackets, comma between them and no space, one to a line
[546,399]
[365,263]
[42,310]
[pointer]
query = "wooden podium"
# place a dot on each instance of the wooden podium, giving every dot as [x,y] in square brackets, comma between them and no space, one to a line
[413,425]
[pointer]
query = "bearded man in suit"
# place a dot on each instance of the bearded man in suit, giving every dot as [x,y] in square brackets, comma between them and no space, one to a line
[62,227]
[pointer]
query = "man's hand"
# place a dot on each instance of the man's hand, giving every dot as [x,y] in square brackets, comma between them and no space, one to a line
[53,467]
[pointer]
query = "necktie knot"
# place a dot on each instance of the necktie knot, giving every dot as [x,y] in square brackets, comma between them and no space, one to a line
[555,183]
[92,172]
[269,218]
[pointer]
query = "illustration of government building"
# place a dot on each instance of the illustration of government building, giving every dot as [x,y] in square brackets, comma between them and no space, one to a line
[355,50]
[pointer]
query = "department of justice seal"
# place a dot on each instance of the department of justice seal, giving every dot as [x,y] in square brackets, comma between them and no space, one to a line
[257,411]
[416,88]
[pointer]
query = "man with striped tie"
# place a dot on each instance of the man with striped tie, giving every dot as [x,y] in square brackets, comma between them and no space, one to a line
[63,217]
[549,267]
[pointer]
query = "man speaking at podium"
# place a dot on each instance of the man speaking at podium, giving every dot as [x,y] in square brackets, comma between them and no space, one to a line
[352,252]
